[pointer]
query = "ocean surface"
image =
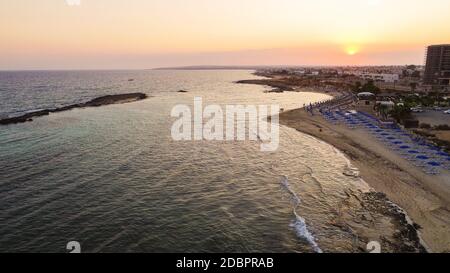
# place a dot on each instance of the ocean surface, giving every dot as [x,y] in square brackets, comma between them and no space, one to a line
[113,179]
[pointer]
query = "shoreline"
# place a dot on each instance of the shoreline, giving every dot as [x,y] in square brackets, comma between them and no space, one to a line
[424,202]
[281,85]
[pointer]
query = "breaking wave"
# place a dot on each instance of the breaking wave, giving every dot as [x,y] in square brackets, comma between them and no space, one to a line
[300,224]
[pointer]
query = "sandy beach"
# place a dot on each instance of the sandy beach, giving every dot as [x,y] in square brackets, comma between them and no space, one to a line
[425,198]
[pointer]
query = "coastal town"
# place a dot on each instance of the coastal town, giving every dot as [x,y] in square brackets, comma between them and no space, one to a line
[414,97]
[226,136]
[392,122]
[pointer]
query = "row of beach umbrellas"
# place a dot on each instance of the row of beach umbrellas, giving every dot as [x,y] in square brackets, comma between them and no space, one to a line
[422,154]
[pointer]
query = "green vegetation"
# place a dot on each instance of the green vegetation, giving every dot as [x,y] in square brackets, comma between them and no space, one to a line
[357,87]
[430,100]
[400,112]
[369,86]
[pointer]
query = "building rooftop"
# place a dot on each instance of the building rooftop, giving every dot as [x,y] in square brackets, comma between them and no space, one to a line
[439,45]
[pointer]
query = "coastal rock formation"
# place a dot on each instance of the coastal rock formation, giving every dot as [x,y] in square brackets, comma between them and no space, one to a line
[393,177]
[277,85]
[364,211]
[100,101]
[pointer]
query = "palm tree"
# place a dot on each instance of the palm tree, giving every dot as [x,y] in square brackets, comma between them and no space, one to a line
[384,111]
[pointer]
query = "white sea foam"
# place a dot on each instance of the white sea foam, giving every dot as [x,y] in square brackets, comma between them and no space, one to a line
[295,199]
[302,231]
[300,224]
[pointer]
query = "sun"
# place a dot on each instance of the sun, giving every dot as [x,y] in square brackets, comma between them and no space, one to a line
[352,50]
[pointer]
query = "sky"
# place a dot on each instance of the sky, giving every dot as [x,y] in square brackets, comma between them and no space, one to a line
[140,34]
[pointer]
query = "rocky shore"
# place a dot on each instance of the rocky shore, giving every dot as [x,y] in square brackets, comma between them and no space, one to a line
[100,101]
[279,86]
[423,198]
[289,83]
[370,216]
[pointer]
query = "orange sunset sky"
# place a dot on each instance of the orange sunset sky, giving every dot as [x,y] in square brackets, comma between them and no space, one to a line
[135,34]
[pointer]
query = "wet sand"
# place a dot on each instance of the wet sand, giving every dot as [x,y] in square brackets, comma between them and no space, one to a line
[425,198]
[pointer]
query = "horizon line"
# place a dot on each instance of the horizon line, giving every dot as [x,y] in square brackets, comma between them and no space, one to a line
[203,67]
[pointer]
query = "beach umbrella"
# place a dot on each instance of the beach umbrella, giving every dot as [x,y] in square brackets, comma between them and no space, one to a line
[391,138]
[413,152]
[397,142]
[404,147]
[384,134]
[434,164]
[422,157]
[432,151]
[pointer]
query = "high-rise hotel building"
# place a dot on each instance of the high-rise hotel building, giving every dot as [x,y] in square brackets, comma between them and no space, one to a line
[437,69]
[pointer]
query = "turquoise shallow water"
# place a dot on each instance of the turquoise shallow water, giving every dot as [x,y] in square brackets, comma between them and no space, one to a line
[113,179]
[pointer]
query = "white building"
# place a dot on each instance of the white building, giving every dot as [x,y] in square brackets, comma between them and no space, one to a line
[378,77]
[299,72]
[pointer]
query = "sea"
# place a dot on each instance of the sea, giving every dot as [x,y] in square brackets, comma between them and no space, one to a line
[113,179]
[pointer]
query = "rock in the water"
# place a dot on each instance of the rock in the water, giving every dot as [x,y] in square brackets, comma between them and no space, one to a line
[105,100]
